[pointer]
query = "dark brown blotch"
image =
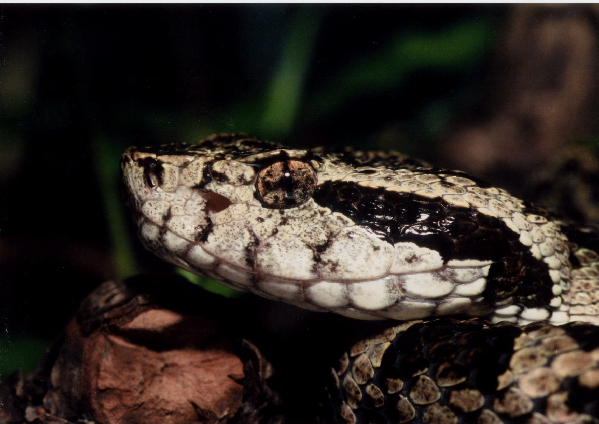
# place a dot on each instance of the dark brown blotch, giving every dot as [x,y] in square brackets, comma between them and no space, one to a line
[215,202]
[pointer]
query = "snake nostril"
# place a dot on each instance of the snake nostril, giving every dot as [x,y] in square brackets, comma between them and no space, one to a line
[153,171]
[216,202]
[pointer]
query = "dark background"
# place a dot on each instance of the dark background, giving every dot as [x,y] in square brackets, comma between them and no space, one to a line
[80,83]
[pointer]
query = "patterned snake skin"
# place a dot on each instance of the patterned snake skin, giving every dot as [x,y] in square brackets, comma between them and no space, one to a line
[377,235]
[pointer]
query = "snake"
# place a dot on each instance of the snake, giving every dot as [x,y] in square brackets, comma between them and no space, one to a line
[494,301]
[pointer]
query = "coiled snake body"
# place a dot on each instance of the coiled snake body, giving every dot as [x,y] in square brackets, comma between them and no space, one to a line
[377,235]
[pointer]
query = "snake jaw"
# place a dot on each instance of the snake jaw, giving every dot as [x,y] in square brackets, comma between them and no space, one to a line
[370,235]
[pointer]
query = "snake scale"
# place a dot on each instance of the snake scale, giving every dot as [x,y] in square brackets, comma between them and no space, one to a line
[376,235]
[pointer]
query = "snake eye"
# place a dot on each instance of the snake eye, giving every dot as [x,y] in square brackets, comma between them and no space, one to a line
[286,184]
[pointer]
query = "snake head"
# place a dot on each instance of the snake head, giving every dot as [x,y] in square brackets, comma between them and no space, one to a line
[231,207]
[370,235]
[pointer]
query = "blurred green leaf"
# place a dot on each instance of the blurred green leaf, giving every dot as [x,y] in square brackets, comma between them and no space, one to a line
[458,47]
[286,88]
[208,284]
[20,353]
[107,158]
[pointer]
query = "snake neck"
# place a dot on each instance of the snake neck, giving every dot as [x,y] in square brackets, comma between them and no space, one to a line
[583,293]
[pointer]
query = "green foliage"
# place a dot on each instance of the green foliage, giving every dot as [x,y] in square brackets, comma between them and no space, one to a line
[20,353]
[106,156]
[284,95]
[208,284]
[458,47]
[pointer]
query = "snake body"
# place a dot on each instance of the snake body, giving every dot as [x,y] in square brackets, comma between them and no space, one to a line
[378,235]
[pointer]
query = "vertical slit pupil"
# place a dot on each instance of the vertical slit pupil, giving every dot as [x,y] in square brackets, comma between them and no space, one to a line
[285,184]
